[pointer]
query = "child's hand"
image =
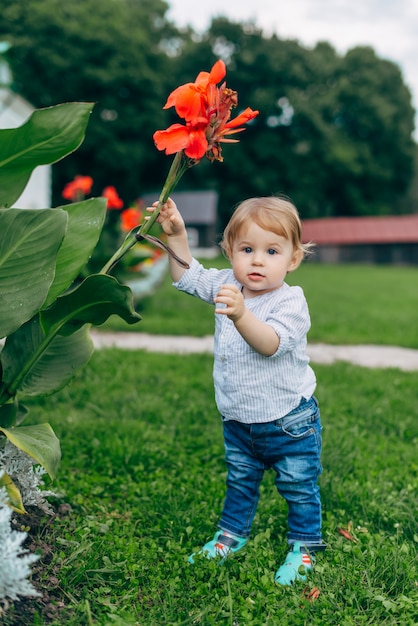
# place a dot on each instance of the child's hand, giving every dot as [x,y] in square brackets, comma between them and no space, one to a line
[169,218]
[232,300]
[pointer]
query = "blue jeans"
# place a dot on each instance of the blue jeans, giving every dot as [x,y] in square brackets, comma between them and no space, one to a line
[291,446]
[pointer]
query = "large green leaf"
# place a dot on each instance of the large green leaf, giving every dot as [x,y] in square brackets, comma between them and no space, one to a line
[85,224]
[29,243]
[35,367]
[96,298]
[46,137]
[39,442]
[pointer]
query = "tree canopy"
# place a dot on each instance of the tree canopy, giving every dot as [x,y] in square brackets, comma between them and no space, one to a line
[102,52]
[334,131]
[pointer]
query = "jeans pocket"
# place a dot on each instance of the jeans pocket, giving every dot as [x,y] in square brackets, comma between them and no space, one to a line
[299,428]
[301,422]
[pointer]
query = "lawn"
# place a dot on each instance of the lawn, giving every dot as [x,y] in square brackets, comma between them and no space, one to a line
[349,304]
[142,482]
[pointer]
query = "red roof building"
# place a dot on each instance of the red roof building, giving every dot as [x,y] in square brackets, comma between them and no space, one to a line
[379,239]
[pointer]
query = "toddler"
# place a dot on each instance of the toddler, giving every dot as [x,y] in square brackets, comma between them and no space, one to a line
[264,385]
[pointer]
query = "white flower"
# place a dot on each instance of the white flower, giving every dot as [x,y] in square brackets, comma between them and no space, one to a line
[15,562]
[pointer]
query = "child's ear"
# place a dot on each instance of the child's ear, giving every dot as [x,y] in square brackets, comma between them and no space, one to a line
[296,260]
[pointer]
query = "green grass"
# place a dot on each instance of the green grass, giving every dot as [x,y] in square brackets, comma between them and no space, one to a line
[143,471]
[352,304]
[349,304]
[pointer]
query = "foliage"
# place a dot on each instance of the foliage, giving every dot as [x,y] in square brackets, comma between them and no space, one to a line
[46,315]
[334,131]
[145,482]
[94,51]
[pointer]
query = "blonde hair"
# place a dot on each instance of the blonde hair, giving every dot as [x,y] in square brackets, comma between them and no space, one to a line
[275,214]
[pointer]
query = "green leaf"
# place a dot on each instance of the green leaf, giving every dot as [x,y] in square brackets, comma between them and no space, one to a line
[13,493]
[30,240]
[39,442]
[46,137]
[85,224]
[12,414]
[35,367]
[98,297]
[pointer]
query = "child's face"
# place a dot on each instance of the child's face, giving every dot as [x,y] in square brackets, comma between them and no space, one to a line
[261,259]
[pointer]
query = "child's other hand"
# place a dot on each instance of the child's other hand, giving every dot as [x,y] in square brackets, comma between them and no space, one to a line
[169,218]
[232,300]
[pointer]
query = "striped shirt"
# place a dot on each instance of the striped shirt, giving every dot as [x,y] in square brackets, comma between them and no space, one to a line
[250,387]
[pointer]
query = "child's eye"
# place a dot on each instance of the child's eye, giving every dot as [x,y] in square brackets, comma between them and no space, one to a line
[247,249]
[271,251]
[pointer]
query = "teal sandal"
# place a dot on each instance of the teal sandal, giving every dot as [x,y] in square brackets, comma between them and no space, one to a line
[221,545]
[295,567]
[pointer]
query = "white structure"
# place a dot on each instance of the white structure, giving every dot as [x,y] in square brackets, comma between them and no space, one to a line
[14,111]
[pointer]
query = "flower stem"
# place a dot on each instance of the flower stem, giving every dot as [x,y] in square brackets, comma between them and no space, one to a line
[179,165]
[176,171]
[127,244]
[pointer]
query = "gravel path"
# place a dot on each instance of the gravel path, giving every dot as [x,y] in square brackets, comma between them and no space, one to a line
[365,355]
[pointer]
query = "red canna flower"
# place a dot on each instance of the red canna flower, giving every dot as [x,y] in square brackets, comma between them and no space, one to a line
[77,188]
[189,99]
[206,110]
[113,200]
[191,138]
[129,218]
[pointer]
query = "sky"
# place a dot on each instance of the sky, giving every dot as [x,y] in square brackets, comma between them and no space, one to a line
[390,27]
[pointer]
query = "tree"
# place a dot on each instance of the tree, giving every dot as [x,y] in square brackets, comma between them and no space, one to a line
[334,132]
[371,156]
[104,52]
